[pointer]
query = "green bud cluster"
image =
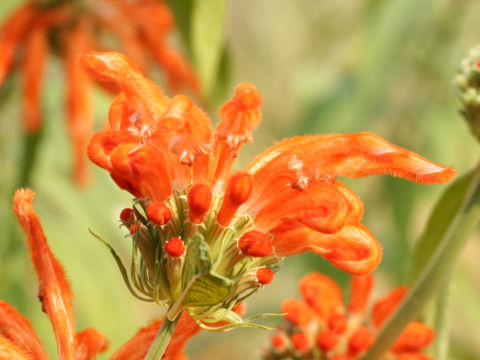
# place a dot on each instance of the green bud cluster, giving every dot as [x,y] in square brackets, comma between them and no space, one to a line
[467,81]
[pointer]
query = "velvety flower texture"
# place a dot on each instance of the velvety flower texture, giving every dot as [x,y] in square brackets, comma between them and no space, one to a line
[321,326]
[19,341]
[287,201]
[71,28]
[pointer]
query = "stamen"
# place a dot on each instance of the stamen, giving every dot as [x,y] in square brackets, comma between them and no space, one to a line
[159,213]
[175,247]
[264,276]
[256,244]
[239,188]
[199,198]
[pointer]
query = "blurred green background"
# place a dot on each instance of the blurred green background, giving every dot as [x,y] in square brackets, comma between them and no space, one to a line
[322,67]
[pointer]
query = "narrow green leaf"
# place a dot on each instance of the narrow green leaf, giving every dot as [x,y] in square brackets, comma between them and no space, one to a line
[451,241]
[438,224]
[208,39]
[182,10]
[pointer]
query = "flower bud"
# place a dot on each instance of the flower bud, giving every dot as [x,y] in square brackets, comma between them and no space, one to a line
[239,188]
[175,247]
[126,214]
[133,228]
[158,213]
[199,199]
[327,340]
[279,341]
[337,323]
[360,341]
[300,342]
[264,276]
[255,243]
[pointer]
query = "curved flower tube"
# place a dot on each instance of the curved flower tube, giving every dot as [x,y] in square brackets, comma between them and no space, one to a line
[287,201]
[34,30]
[333,330]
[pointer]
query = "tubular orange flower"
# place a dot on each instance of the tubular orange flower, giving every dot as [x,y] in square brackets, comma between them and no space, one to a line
[142,27]
[54,294]
[344,332]
[18,340]
[287,201]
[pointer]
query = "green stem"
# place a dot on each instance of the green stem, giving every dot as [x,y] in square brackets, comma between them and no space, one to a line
[164,335]
[434,273]
[442,318]
[30,147]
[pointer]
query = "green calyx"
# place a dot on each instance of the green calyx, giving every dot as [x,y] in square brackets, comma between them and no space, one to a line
[208,279]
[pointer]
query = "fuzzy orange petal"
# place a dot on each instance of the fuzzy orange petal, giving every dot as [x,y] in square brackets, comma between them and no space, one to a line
[322,294]
[10,351]
[143,95]
[321,207]
[19,331]
[54,293]
[324,157]
[384,307]
[36,47]
[360,290]
[137,347]
[415,337]
[353,249]
[102,144]
[90,343]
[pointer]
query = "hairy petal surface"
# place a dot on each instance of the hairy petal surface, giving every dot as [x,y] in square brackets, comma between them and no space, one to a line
[298,160]
[10,351]
[54,292]
[19,331]
[352,249]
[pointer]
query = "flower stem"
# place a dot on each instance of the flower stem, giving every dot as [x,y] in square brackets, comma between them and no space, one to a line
[164,335]
[434,273]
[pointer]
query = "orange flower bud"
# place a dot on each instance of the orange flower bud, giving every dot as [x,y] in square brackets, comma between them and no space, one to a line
[264,276]
[126,214]
[279,341]
[360,341]
[255,243]
[384,307]
[159,213]
[327,340]
[415,337]
[360,289]
[239,188]
[199,199]
[341,357]
[337,323]
[133,228]
[175,247]
[300,342]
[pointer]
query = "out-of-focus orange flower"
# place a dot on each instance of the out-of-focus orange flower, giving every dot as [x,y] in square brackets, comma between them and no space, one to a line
[338,331]
[287,201]
[70,29]
[19,341]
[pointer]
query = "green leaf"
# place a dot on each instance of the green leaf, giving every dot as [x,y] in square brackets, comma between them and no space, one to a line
[208,40]
[198,260]
[207,290]
[438,223]
[449,239]
[182,10]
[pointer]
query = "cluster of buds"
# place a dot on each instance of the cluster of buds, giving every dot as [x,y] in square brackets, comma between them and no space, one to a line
[203,238]
[322,327]
[467,82]
[191,252]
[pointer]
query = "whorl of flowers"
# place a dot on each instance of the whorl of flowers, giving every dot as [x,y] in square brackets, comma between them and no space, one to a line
[321,326]
[205,238]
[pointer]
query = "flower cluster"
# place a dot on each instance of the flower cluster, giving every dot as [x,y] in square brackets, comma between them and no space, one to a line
[205,238]
[19,341]
[70,29]
[323,327]
[467,82]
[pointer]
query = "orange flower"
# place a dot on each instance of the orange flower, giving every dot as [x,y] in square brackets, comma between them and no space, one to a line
[344,331]
[19,341]
[142,27]
[54,294]
[287,201]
